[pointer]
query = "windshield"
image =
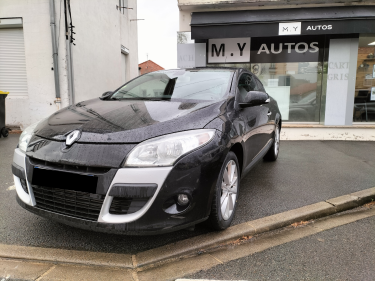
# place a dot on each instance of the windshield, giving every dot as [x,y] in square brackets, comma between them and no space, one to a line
[178,84]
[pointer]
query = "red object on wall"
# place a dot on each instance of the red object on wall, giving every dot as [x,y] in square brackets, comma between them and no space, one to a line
[148,66]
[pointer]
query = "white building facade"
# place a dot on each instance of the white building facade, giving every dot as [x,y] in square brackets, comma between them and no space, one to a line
[104,57]
[316,58]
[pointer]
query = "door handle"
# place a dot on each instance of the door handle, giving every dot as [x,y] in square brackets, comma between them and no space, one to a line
[269,113]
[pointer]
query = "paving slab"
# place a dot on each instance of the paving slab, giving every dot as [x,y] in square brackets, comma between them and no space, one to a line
[68,256]
[192,245]
[178,268]
[19,270]
[84,273]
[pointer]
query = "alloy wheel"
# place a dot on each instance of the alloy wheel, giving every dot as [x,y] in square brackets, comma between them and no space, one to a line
[277,140]
[229,187]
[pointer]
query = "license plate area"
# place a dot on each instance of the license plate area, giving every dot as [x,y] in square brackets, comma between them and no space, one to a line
[64,180]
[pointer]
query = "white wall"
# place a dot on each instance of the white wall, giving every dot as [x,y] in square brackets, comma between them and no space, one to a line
[129,39]
[39,102]
[100,31]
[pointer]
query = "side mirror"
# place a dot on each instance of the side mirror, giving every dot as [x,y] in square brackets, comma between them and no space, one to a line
[254,98]
[106,95]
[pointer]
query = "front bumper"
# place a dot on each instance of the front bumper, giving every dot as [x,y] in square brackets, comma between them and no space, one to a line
[113,228]
[195,175]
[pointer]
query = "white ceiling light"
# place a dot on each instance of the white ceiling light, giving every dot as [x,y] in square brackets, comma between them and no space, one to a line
[372,44]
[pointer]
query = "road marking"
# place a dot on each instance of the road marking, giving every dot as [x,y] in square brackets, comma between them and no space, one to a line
[12,187]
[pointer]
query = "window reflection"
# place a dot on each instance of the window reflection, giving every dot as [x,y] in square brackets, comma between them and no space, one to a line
[364,98]
[294,87]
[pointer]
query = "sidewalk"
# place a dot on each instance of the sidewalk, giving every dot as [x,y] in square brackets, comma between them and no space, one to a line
[216,258]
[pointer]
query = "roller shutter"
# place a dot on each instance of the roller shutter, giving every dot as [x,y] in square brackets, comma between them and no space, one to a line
[12,62]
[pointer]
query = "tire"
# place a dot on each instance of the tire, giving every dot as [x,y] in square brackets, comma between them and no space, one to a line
[221,219]
[4,132]
[273,152]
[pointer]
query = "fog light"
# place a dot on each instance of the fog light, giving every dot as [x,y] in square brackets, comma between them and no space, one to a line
[182,199]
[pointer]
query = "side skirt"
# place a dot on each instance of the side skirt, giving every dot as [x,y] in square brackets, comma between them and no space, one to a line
[258,157]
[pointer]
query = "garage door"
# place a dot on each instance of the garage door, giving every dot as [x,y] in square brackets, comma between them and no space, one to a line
[12,62]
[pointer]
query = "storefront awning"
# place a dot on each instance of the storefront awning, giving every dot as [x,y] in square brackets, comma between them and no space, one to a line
[264,23]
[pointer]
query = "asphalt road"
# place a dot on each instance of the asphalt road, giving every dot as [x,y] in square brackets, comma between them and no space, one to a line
[305,173]
[343,253]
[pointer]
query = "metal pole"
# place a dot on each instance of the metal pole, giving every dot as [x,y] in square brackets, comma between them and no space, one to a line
[54,49]
[69,59]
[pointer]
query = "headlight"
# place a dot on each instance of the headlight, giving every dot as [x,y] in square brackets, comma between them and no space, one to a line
[26,136]
[165,150]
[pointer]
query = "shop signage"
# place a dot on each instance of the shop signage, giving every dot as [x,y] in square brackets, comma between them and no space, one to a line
[191,55]
[228,50]
[319,27]
[285,49]
[185,55]
[289,28]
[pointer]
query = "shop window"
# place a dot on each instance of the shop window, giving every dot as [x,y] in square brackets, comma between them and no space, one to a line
[295,87]
[289,67]
[364,98]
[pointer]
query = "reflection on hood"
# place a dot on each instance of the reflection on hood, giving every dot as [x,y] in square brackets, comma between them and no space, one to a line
[127,120]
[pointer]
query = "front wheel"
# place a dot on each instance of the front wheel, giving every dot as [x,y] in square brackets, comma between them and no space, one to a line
[225,197]
[273,152]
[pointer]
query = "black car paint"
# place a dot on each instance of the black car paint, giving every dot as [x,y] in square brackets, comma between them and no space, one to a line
[127,121]
[245,130]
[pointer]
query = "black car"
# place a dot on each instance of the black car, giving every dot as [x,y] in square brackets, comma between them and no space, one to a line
[163,152]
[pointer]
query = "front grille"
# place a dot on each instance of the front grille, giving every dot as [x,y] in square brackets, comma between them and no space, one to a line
[123,206]
[68,168]
[68,202]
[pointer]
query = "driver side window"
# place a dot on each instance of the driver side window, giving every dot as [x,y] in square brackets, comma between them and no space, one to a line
[246,84]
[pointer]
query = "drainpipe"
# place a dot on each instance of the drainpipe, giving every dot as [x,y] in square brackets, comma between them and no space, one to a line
[54,51]
[69,59]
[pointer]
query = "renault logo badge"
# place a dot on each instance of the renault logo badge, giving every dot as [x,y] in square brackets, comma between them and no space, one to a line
[72,137]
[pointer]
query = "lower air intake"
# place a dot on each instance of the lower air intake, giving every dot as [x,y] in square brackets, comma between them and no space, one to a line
[123,206]
[77,204]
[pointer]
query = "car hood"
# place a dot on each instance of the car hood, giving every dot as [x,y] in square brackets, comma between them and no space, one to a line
[127,121]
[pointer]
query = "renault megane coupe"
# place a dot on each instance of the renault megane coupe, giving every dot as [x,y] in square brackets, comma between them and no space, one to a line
[163,152]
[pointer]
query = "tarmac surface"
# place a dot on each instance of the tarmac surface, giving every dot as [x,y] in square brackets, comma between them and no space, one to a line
[343,253]
[305,173]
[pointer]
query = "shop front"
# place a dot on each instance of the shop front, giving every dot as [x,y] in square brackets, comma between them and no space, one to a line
[318,63]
